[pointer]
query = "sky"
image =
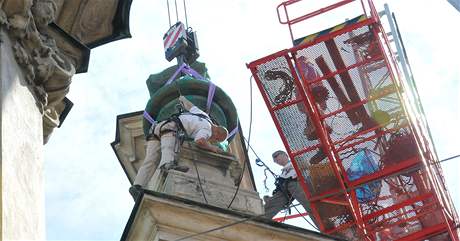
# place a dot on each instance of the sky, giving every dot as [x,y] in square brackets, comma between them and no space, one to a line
[86,189]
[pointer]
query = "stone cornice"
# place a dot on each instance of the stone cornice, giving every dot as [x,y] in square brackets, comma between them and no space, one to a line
[46,69]
[50,55]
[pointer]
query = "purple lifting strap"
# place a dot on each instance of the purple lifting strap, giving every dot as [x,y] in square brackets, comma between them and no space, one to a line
[233,132]
[211,91]
[188,70]
[148,117]
[176,73]
[184,68]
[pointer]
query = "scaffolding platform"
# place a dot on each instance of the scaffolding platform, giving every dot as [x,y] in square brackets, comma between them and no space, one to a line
[360,147]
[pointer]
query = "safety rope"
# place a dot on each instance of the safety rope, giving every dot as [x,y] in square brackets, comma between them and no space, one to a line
[199,182]
[220,227]
[249,138]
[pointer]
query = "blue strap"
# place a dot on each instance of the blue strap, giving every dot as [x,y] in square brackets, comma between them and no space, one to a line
[233,132]
[211,91]
[148,117]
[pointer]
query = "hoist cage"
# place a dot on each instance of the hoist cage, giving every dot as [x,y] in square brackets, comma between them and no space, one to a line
[355,131]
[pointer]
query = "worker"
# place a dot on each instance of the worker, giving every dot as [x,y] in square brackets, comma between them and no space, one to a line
[287,188]
[196,125]
[320,95]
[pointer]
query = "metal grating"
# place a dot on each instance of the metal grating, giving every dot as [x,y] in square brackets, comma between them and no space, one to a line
[349,85]
[294,124]
[277,80]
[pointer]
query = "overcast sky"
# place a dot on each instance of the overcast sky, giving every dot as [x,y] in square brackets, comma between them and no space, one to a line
[86,189]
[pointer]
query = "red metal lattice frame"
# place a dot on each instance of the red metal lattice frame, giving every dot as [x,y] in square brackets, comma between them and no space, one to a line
[435,178]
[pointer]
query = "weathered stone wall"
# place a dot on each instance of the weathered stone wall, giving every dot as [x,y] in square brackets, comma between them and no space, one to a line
[21,153]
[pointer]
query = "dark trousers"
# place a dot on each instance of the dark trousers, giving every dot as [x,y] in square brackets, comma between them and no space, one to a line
[280,199]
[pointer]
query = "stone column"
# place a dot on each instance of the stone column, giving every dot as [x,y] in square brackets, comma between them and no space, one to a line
[21,152]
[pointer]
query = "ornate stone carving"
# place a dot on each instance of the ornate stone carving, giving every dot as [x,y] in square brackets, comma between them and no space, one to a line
[46,69]
[50,54]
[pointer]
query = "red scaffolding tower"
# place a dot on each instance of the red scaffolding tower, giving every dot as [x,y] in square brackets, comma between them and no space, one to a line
[356,138]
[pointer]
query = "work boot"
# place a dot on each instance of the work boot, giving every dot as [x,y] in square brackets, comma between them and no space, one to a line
[135,191]
[173,166]
[318,157]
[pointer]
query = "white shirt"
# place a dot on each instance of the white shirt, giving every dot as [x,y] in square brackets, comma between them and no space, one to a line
[195,126]
[288,171]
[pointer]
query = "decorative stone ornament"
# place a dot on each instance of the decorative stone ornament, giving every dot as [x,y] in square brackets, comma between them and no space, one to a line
[49,54]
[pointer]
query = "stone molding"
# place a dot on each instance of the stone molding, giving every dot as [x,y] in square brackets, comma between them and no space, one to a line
[157,216]
[46,69]
[51,42]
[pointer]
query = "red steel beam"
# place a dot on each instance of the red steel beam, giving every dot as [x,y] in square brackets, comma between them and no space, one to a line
[426,232]
[398,206]
[405,212]
[331,74]
[298,215]
[378,134]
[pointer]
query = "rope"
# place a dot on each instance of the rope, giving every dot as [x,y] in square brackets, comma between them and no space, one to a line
[199,182]
[249,138]
[447,159]
[177,15]
[186,20]
[169,16]
[220,227]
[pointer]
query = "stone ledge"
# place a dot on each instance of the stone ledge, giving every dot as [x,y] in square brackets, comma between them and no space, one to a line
[158,216]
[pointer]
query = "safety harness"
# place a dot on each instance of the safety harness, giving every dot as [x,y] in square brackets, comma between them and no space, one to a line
[180,131]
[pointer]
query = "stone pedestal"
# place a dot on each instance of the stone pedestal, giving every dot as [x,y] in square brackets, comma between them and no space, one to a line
[212,179]
[162,217]
[21,153]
